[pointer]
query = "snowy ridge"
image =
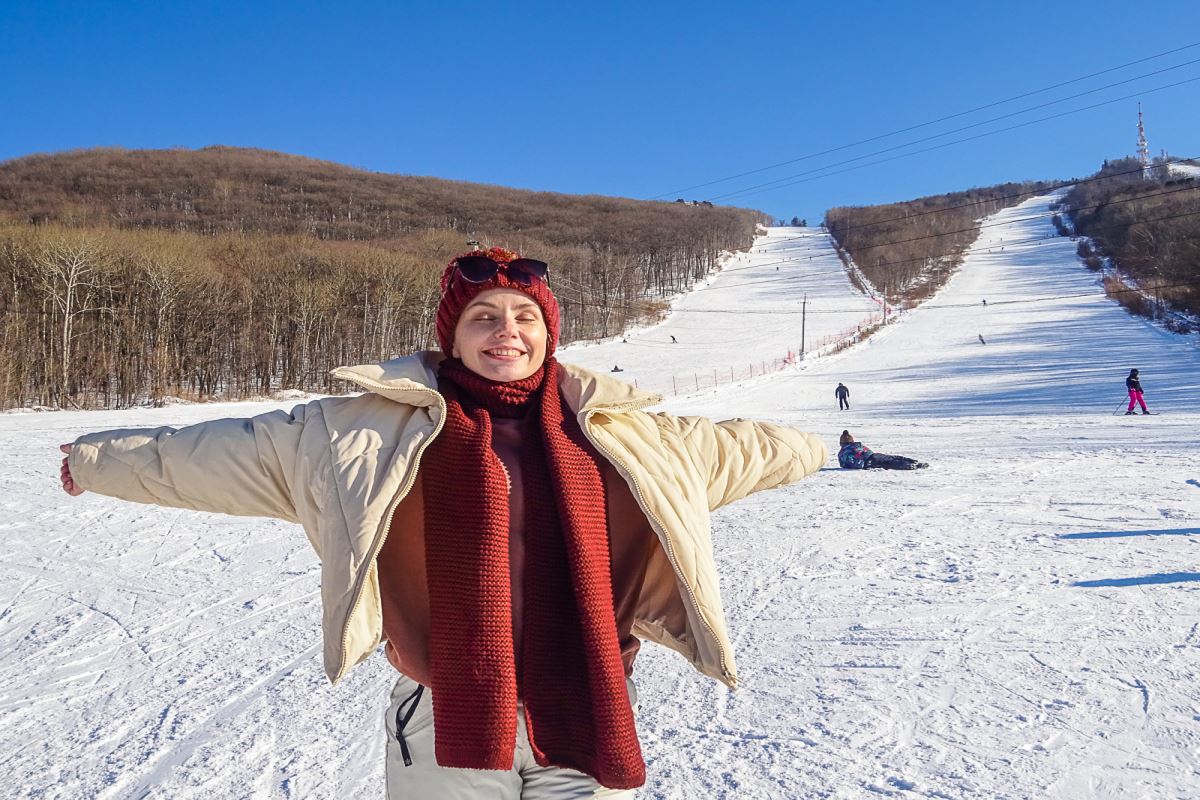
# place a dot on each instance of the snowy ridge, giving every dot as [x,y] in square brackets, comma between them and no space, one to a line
[1017,621]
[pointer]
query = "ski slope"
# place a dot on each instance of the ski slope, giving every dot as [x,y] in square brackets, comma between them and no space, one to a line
[746,316]
[1021,620]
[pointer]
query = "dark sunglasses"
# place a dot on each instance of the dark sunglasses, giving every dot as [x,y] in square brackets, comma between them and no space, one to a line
[477,269]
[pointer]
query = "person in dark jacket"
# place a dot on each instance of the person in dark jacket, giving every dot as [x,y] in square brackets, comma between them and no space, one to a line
[856,455]
[1135,393]
[843,397]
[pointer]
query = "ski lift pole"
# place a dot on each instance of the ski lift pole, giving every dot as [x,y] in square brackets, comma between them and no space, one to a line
[803,319]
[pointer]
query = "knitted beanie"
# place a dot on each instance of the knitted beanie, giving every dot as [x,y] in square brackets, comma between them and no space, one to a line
[458,292]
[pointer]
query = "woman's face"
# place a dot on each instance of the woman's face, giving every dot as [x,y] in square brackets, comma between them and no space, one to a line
[501,335]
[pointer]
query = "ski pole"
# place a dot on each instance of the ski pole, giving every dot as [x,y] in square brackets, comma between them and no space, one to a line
[1118,408]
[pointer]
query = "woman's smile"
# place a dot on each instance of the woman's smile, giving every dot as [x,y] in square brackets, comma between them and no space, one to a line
[501,335]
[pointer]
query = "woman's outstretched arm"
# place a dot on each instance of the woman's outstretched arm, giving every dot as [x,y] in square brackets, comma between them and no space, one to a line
[256,466]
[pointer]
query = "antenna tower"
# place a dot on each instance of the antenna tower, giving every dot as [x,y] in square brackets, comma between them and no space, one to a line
[1143,150]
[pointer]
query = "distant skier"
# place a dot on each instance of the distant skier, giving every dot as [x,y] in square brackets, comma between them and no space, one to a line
[856,455]
[617,368]
[843,397]
[981,341]
[1135,393]
[985,301]
[674,340]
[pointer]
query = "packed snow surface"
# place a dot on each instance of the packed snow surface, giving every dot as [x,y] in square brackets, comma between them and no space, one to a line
[789,293]
[1021,620]
[1191,170]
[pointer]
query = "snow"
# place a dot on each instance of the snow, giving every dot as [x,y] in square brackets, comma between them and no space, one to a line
[1018,621]
[1190,170]
[744,318]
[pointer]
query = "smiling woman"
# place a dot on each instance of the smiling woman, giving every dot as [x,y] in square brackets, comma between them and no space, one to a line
[501,335]
[510,526]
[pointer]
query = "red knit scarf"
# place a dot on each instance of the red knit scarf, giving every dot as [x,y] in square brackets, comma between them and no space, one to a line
[572,678]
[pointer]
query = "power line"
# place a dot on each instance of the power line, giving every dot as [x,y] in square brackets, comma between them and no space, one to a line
[930,122]
[758,189]
[964,128]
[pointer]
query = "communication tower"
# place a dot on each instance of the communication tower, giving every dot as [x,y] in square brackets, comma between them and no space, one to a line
[1143,150]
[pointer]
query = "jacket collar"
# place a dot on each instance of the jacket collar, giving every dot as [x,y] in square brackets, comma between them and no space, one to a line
[413,380]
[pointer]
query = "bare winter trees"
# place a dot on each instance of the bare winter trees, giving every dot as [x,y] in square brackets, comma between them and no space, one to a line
[1148,228]
[128,278]
[909,249]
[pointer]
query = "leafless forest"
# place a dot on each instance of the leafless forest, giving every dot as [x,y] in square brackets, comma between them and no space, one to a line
[133,276]
[908,249]
[1149,227]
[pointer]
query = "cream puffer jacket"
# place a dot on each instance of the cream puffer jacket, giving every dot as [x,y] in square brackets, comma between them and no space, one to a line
[339,466]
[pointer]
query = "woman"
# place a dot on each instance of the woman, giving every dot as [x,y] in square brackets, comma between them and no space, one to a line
[509,525]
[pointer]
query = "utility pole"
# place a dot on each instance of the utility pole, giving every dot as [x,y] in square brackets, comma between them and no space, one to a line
[803,319]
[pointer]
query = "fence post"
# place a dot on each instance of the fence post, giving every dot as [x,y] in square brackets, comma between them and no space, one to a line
[674,388]
[696,378]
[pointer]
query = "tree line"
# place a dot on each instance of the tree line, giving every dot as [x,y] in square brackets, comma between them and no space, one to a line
[134,276]
[1148,227]
[907,250]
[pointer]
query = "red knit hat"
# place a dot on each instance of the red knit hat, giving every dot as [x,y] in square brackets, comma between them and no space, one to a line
[457,293]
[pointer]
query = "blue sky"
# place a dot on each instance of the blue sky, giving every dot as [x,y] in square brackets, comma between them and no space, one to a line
[619,98]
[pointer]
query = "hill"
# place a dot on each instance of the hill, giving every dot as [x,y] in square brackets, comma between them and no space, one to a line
[907,250]
[1148,229]
[135,275]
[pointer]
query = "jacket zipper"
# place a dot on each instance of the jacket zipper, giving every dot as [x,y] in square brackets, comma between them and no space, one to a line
[660,529]
[381,534]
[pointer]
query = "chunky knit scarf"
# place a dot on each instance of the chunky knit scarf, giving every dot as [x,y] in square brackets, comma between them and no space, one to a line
[572,679]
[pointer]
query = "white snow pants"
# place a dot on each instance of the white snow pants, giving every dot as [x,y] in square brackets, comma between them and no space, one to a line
[423,779]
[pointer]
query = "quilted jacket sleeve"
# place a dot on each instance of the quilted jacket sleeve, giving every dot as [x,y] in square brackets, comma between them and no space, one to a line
[260,466]
[740,457]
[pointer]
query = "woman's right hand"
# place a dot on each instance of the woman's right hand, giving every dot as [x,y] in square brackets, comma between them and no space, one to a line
[68,483]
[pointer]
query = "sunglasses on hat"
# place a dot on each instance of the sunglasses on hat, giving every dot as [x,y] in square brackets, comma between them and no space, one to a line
[477,269]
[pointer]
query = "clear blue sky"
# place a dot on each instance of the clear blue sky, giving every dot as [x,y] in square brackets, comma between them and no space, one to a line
[618,98]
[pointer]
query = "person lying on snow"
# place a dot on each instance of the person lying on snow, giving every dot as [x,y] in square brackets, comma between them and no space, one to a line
[511,526]
[856,455]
